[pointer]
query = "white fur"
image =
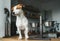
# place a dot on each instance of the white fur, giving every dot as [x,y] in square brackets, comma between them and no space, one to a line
[21,22]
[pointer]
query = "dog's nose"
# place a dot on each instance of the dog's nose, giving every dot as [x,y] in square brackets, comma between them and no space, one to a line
[13,13]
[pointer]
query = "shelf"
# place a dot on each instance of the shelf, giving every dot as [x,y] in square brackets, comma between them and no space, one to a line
[49,32]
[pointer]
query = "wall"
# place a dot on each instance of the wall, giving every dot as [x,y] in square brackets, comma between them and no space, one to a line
[7,4]
[3,3]
[1,19]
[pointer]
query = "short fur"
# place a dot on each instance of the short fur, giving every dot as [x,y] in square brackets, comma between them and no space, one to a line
[21,20]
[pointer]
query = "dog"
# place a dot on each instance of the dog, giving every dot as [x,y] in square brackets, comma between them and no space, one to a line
[21,20]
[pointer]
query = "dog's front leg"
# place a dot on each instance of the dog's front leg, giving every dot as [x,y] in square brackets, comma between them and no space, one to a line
[19,31]
[26,33]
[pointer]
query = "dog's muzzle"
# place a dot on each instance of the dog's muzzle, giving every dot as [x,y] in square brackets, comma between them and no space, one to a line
[13,13]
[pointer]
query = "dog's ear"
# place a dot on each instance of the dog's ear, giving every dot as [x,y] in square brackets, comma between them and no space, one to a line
[23,5]
[19,6]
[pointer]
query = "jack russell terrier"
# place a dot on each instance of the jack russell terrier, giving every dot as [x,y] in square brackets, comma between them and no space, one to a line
[21,20]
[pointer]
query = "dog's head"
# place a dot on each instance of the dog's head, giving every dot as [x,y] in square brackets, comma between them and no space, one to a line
[17,9]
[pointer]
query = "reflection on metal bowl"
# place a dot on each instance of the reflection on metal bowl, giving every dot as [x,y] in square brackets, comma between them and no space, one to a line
[49,23]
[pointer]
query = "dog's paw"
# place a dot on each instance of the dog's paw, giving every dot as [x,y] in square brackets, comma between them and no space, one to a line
[20,37]
[26,37]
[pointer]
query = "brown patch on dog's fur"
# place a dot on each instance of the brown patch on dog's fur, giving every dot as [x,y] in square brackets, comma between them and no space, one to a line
[19,6]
